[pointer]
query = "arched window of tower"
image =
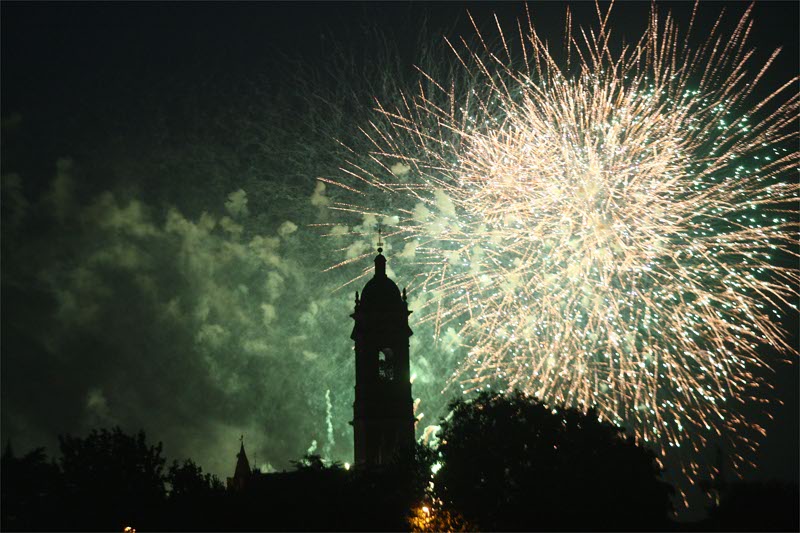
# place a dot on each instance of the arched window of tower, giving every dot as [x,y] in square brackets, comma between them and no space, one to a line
[386,364]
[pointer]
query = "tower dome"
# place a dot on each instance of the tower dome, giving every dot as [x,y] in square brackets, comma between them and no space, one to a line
[381,293]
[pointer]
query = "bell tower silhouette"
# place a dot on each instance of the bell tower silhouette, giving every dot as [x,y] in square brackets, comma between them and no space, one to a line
[383,412]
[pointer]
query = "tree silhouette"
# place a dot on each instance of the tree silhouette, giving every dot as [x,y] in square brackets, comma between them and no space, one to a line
[432,518]
[196,500]
[511,463]
[31,488]
[508,463]
[314,463]
[113,480]
[187,481]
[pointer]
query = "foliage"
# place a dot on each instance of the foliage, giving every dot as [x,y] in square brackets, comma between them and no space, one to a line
[313,462]
[510,462]
[195,501]
[117,477]
[432,517]
[109,480]
[35,480]
[507,462]
[187,480]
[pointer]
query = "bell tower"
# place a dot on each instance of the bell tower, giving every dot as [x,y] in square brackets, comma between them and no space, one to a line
[383,412]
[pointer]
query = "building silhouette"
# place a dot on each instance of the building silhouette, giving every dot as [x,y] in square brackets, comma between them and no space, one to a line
[242,474]
[383,412]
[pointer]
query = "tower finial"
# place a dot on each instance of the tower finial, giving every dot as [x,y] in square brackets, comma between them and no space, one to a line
[380,260]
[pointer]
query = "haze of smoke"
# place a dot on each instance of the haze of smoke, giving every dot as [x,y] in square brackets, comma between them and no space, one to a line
[185,295]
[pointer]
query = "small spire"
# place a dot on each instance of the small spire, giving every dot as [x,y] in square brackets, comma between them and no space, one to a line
[404,294]
[242,473]
[380,260]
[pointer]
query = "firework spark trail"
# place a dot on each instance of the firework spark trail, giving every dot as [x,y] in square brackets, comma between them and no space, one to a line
[604,232]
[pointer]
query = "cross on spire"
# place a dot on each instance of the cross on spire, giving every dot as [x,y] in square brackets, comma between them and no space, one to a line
[380,233]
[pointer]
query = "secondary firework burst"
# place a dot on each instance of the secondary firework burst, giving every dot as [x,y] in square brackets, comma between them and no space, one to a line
[608,225]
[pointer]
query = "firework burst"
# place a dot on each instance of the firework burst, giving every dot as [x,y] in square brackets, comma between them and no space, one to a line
[607,229]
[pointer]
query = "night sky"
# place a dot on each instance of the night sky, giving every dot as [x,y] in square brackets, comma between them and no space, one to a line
[159,168]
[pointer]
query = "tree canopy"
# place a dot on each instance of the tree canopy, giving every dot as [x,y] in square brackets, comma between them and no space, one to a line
[511,463]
